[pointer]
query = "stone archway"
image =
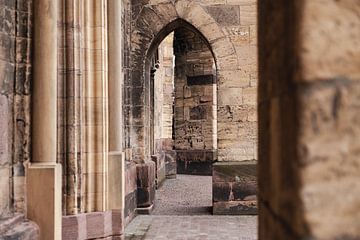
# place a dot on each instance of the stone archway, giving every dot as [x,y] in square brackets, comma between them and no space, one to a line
[153,24]
[236,104]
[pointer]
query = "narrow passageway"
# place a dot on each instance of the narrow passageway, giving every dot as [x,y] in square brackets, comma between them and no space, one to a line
[183,212]
[185,195]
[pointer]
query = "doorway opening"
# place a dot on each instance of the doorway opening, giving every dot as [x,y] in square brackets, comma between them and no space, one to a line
[183,122]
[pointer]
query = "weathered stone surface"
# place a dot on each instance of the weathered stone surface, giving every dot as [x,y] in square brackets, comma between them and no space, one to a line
[197,162]
[130,191]
[225,15]
[15,76]
[307,156]
[194,118]
[229,37]
[17,227]
[159,161]
[235,208]
[234,171]
[235,187]
[93,225]
[170,164]
[145,184]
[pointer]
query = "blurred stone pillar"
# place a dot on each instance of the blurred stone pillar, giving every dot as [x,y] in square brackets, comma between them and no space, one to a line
[43,173]
[309,125]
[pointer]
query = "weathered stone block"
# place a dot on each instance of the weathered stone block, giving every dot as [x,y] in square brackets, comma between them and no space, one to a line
[235,208]
[198,112]
[17,227]
[145,184]
[170,164]
[221,191]
[234,188]
[93,225]
[198,162]
[244,190]
[159,161]
[130,191]
[242,171]
[225,15]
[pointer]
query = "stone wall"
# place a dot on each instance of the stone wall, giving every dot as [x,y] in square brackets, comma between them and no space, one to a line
[15,93]
[15,82]
[230,29]
[195,124]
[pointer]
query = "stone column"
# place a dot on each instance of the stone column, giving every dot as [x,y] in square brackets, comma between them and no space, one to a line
[44,174]
[116,171]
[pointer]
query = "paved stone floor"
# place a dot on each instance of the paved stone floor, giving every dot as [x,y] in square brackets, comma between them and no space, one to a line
[185,195]
[192,228]
[182,212]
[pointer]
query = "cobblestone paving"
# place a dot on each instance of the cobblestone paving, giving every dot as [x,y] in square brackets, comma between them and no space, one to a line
[182,213]
[192,228]
[185,195]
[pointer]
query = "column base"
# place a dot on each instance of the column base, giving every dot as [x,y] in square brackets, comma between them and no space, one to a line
[95,225]
[43,181]
[116,181]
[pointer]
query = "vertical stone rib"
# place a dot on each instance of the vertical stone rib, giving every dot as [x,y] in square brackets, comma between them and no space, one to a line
[44,86]
[73,105]
[115,75]
[95,105]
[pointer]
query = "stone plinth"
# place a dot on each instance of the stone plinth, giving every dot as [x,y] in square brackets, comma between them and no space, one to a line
[130,192]
[197,162]
[159,160]
[234,188]
[145,184]
[94,225]
[43,182]
[116,179]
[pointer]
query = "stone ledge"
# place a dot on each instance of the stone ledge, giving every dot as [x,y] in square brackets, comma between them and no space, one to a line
[235,208]
[234,171]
